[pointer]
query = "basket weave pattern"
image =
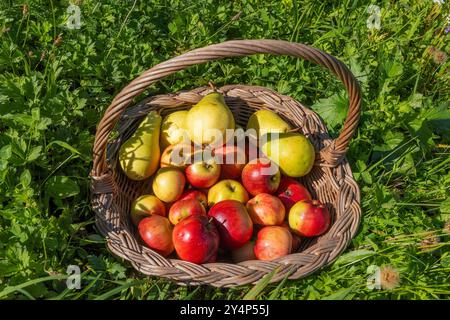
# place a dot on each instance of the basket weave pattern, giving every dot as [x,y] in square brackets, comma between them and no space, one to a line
[330,181]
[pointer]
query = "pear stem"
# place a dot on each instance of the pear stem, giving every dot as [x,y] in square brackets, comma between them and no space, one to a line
[212,85]
[293,130]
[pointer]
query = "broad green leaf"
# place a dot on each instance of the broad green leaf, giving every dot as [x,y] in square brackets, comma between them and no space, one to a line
[19,118]
[283,87]
[117,269]
[25,178]
[96,263]
[406,163]
[7,268]
[6,152]
[391,140]
[61,187]
[393,68]
[333,109]
[366,177]
[34,153]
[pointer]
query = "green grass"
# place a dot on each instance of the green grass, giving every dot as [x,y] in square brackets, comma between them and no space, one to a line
[52,95]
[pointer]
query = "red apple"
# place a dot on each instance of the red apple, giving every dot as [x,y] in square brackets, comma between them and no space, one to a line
[309,218]
[258,176]
[195,194]
[203,174]
[251,148]
[196,239]
[291,191]
[273,242]
[266,209]
[185,208]
[244,253]
[233,222]
[232,160]
[156,232]
[176,155]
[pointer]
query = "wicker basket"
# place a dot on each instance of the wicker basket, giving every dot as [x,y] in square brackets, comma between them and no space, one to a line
[330,181]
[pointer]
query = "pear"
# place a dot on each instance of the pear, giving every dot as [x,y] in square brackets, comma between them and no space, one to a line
[139,155]
[265,121]
[207,121]
[291,151]
[232,123]
[172,128]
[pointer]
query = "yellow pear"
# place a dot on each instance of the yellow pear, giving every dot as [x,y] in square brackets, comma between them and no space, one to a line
[207,121]
[172,128]
[291,151]
[265,121]
[139,155]
[232,123]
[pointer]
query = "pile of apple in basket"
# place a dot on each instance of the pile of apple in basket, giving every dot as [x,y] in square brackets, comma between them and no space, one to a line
[220,190]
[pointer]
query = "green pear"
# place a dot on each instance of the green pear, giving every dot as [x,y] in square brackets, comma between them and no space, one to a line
[139,155]
[207,121]
[265,121]
[172,128]
[291,151]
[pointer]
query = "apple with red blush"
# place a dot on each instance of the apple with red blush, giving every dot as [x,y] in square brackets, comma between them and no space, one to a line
[203,173]
[196,195]
[156,232]
[273,242]
[232,160]
[196,239]
[291,191]
[309,218]
[261,176]
[185,208]
[266,209]
[233,223]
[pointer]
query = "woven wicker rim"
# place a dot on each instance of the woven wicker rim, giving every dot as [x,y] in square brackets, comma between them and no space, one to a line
[331,179]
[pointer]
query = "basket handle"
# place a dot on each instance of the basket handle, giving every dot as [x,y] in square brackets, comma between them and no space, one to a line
[328,156]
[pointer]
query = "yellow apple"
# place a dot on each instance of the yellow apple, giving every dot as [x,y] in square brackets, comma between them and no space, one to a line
[227,190]
[168,184]
[145,206]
